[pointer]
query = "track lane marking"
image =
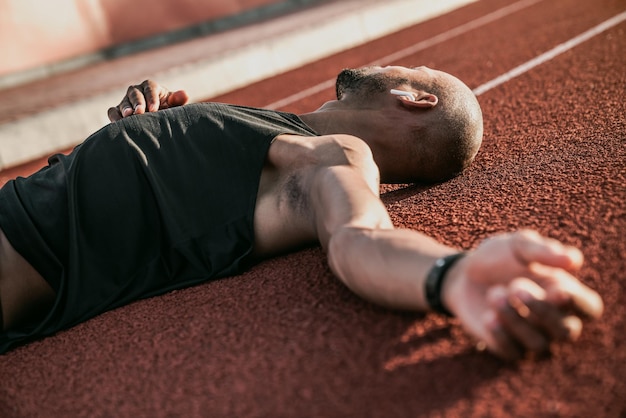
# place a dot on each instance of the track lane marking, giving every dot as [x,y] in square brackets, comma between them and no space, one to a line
[551,54]
[445,36]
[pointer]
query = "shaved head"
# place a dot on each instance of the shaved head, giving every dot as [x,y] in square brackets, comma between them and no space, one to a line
[452,134]
[441,141]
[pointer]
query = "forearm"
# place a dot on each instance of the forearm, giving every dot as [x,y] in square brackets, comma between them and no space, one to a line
[385,266]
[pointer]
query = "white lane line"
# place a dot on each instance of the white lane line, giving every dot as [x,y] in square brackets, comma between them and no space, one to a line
[445,36]
[459,30]
[549,55]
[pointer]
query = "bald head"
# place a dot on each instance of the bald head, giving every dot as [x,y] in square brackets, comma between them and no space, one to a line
[446,140]
[441,128]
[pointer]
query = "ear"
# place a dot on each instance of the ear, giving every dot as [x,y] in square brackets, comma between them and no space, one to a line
[422,100]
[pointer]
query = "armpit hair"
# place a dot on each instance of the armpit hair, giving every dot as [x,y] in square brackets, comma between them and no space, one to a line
[297,198]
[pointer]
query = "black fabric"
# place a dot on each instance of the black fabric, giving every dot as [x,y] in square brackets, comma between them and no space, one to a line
[146,205]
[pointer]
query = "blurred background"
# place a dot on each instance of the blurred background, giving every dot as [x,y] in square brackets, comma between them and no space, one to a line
[38,38]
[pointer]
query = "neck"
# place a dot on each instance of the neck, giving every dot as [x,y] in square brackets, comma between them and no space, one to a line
[366,124]
[325,123]
[339,117]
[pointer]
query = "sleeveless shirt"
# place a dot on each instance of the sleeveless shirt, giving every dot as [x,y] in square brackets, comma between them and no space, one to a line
[148,204]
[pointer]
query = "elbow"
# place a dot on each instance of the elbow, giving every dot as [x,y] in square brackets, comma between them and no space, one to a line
[338,247]
[353,261]
[345,247]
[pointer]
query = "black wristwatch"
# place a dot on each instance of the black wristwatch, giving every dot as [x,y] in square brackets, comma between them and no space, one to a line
[434,281]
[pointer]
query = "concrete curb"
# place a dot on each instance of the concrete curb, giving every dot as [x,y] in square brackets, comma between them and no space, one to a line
[236,58]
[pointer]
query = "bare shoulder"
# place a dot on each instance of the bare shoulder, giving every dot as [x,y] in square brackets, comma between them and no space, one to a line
[313,153]
[359,156]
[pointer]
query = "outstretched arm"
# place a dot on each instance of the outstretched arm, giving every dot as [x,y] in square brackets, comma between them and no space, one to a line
[378,262]
[515,292]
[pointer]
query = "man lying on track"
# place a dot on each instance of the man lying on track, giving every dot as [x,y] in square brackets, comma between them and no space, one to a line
[160,200]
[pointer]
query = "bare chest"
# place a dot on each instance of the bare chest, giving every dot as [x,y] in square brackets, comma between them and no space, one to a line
[283,218]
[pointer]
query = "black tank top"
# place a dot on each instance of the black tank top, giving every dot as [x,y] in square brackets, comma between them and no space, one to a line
[146,205]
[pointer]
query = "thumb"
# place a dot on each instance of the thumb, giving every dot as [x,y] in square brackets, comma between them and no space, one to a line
[177,98]
[530,247]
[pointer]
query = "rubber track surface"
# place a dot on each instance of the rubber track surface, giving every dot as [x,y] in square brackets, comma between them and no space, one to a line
[287,339]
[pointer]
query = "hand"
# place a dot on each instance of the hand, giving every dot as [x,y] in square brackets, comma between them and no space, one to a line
[516,293]
[146,97]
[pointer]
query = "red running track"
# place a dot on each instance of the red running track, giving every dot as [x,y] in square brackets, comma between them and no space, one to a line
[288,340]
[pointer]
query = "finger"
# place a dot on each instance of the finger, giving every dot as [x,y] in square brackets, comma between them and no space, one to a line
[541,314]
[154,95]
[177,98]
[530,247]
[567,292]
[498,341]
[514,318]
[574,326]
[547,317]
[134,101]
[125,108]
[114,114]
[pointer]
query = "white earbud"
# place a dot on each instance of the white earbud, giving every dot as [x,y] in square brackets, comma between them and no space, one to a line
[403,93]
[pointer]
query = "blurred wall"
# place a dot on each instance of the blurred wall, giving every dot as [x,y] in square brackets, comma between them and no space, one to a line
[36,33]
